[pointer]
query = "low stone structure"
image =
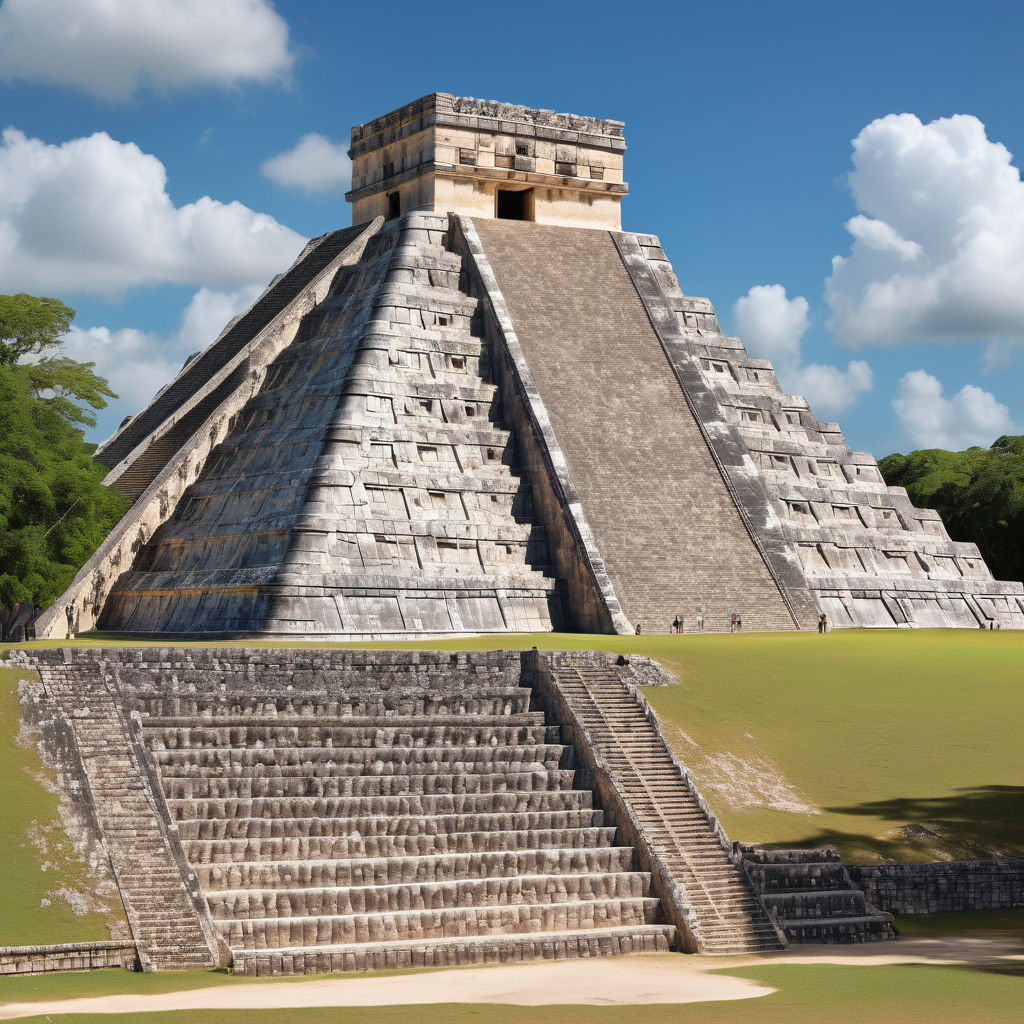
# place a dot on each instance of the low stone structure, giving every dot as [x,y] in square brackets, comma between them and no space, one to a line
[942,887]
[298,810]
[813,897]
[70,956]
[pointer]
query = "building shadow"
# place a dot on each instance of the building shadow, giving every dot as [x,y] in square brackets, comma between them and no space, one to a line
[980,822]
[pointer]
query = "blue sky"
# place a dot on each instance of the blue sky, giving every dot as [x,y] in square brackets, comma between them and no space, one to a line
[740,123]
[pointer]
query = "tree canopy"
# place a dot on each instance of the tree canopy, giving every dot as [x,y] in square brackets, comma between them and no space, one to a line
[979,493]
[31,328]
[29,325]
[54,511]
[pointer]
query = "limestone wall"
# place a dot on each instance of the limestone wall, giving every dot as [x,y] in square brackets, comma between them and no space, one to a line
[942,887]
[79,608]
[452,154]
[345,810]
[179,395]
[168,920]
[71,956]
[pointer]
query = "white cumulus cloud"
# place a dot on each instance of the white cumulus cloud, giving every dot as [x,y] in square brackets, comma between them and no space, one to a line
[93,215]
[772,326]
[111,48]
[882,237]
[938,245]
[139,363]
[313,164]
[970,417]
[999,354]
[830,390]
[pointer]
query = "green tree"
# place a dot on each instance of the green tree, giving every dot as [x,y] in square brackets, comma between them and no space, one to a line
[31,328]
[54,510]
[31,325]
[979,493]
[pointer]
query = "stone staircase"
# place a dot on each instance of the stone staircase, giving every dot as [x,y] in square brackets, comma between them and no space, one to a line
[722,914]
[301,810]
[350,818]
[160,910]
[811,895]
[663,517]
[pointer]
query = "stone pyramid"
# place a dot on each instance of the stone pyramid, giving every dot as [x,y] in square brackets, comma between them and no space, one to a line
[484,408]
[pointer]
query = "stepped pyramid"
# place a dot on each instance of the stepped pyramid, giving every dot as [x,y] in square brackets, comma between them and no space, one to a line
[484,408]
[299,810]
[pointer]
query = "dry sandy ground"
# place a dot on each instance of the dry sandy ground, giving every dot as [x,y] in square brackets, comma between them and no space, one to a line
[623,981]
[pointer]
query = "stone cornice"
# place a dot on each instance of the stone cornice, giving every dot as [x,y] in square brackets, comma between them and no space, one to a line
[477,173]
[485,115]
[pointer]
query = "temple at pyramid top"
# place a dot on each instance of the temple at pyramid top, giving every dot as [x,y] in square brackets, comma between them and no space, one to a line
[481,158]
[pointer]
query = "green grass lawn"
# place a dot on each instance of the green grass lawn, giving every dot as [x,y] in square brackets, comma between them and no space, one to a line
[29,809]
[908,994]
[966,922]
[875,730]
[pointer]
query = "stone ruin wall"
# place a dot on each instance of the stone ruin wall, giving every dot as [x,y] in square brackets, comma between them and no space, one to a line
[300,810]
[942,887]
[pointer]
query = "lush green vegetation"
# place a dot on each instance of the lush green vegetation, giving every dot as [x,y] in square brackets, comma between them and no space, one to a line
[54,512]
[909,994]
[979,492]
[28,810]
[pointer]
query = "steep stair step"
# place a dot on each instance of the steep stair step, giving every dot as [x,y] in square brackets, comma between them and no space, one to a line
[204,853]
[440,923]
[405,825]
[452,952]
[291,874]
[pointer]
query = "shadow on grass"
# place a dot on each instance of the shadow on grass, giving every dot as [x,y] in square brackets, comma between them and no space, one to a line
[1009,968]
[980,822]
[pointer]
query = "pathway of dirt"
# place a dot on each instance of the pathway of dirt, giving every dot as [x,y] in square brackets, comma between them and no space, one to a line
[616,982]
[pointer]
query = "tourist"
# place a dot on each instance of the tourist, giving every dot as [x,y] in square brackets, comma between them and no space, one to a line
[739,623]
[821,622]
[700,622]
[638,630]
[824,623]
[732,624]
[675,624]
